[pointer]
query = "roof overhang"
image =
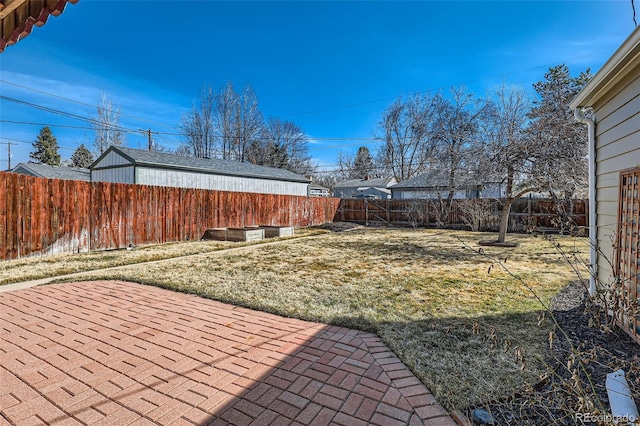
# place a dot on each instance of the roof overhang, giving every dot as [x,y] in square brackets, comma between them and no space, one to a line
[18,17]
[615,69]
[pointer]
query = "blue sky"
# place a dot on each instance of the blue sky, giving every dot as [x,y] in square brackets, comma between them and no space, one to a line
[330,66]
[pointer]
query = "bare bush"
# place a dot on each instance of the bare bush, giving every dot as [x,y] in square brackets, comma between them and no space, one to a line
[475,213]
[415,212]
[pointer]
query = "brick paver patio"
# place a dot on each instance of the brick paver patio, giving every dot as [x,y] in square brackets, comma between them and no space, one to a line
[120,353]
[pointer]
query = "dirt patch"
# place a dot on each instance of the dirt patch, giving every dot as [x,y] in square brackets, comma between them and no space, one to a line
[339,226]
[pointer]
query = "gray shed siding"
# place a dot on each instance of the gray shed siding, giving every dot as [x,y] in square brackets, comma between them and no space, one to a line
[190,179]
[114,175]
[113,159]
[617,119]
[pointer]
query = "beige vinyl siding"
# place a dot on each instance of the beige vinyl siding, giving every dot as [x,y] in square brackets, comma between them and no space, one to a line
[114,175]
[617,148]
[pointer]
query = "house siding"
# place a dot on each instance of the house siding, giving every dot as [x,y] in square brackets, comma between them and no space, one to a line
[617,119]
[427,194]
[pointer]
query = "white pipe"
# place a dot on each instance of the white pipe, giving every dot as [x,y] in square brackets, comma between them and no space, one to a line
[593,230]
[623,407]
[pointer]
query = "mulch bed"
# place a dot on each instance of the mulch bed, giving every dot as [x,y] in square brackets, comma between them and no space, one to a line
[557,398]
[495,243]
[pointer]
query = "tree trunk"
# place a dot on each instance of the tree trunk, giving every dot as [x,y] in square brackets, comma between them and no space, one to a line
[506,208]
[504,220]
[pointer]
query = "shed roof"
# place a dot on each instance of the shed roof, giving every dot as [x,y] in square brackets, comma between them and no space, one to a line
[614,70]
[18,17]
[52,172]
[359,183]
[204,165]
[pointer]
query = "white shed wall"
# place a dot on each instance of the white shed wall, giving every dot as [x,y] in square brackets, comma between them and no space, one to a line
[187,179]
[617,148]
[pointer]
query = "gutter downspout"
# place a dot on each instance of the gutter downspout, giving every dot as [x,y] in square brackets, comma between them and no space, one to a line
[593,230]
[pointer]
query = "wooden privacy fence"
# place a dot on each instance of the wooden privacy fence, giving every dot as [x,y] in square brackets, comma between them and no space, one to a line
[46,216]
[526,213]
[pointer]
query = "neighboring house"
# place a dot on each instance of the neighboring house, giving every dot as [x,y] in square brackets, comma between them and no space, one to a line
[18,17]
[374,193]
[434,185]
[353,187]
[318,191]
[52,172]
[613,98]
[126,165]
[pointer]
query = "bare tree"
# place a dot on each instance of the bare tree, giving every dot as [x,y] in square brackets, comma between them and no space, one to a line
[406,131]
[507,152]
[455,135]
[246,122]
[345,167]
[108,131]
[222,124]
[198,127]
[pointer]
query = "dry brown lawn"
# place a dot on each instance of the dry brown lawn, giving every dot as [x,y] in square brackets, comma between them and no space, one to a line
[467,327]
[35,267]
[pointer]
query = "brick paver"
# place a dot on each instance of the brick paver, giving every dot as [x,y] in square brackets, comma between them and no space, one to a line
[118,353]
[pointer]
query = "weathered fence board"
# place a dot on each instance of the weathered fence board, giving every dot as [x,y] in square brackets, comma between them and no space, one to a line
[46,216]
[525,214]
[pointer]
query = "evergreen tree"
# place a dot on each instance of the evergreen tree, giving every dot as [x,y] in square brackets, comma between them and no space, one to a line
[45,148]
[81,157]
[363,163]
[561,137]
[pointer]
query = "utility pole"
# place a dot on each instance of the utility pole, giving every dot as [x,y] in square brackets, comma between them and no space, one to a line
[148,132]
[8,144]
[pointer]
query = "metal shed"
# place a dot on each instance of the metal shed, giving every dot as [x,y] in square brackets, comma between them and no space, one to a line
[134,166]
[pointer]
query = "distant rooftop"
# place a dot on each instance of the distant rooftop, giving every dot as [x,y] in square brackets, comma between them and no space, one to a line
[52,172]
[359,183]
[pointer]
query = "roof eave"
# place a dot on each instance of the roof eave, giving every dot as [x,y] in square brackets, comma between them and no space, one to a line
[616,68]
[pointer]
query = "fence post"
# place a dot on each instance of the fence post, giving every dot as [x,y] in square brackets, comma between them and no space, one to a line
[366,212]
[388,213]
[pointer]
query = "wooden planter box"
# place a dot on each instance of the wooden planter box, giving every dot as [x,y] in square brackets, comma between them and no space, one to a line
[277,231]
[218,234]
[245,234]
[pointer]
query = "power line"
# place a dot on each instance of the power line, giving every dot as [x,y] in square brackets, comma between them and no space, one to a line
[31,143]
[311,138]
[63,113]
[82,103]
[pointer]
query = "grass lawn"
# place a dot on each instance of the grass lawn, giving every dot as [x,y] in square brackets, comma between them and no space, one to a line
[36,267]
[441,305]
